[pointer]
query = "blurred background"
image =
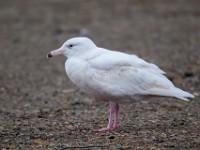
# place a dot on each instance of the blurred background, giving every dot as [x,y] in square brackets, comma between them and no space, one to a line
[41,108]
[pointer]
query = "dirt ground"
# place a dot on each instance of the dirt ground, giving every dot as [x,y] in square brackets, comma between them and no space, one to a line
[41,109]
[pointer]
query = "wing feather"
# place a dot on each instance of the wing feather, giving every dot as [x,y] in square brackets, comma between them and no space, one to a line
[110,59]
[128,80]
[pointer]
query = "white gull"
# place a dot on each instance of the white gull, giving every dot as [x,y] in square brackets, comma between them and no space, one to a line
[114,76]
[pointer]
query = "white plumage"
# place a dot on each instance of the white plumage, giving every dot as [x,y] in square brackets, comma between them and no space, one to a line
[114,76]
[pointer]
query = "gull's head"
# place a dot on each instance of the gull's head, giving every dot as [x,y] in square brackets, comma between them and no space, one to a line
[74,47]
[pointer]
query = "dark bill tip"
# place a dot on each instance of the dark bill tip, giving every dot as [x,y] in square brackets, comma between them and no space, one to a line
[49,55]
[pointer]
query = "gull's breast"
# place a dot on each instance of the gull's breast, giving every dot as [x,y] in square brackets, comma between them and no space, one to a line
[79,73]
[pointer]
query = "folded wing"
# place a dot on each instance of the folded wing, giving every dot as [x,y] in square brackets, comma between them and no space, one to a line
[120,74]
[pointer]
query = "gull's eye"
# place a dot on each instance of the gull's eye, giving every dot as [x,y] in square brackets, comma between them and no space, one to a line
[70,45]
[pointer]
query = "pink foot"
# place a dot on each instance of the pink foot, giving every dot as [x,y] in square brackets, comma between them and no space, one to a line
[107,129]
[103,129]
[115,127]
[114,108]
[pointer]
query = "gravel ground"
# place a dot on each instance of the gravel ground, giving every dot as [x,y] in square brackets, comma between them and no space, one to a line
[41,109]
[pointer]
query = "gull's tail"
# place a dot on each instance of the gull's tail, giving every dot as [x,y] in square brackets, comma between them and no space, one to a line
[172,92]
[180,94]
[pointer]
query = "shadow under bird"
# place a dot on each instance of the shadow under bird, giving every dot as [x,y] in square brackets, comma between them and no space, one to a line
[114,76]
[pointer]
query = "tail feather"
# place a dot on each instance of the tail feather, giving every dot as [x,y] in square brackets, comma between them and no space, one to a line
[173,92]
[180,94]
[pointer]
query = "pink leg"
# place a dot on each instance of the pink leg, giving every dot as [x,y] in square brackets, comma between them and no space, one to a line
[115,126]
[114,108]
